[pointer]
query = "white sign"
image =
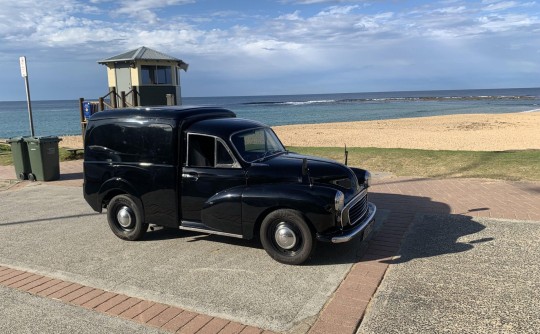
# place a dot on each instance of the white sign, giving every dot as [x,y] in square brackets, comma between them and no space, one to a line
[22,60]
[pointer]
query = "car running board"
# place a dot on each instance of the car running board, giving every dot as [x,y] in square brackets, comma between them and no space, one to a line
[200,227]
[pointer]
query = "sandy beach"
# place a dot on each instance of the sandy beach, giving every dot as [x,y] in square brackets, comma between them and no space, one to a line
[477,132]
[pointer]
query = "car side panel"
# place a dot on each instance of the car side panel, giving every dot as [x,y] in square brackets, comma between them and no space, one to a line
[154,185]
[223,211]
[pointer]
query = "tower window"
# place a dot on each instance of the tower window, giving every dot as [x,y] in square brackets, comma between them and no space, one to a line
[156,75]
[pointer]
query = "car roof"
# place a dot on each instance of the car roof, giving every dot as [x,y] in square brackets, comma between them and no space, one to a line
[169,112]
[222,127]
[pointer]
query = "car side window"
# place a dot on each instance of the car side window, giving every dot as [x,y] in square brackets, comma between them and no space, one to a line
[207,151]
[131,143]
[223,156]
[201,151]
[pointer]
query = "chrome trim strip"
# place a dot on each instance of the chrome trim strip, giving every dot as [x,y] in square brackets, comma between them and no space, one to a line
[140,164]
[202,230]
[347,236]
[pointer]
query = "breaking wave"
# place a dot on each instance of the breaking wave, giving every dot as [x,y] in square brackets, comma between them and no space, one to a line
[395,99]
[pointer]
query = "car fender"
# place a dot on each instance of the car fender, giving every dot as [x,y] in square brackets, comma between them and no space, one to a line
[114,186]
[316,203]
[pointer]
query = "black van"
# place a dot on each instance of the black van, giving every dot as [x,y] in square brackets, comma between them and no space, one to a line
[202,169]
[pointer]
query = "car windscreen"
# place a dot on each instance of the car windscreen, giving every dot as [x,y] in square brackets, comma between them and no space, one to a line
[257,144]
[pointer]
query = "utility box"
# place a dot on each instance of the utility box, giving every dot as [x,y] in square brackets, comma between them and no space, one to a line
[19,152]
[44,158]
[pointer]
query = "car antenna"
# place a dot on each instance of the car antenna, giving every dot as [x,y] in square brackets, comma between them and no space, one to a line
[346,155]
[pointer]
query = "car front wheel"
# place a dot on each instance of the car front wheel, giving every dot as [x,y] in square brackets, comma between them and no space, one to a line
[286,237]
[125,217]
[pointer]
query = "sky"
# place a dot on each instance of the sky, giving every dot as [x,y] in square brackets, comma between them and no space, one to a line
[246,47]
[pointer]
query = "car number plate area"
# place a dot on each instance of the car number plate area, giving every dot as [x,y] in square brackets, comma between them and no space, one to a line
[368,230]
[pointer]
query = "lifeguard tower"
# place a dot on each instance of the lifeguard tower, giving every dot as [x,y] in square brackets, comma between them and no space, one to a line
[147,77]
[141,77]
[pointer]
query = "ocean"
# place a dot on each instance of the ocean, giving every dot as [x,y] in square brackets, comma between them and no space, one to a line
[59,118]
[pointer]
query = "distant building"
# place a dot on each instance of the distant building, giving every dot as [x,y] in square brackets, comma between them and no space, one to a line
[149,76]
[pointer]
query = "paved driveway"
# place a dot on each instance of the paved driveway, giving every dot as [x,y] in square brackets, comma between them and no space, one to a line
[51,230]
[458,274]
[54,233]
[25,313]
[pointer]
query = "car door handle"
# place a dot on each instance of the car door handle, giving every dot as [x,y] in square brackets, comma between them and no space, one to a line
[193,176]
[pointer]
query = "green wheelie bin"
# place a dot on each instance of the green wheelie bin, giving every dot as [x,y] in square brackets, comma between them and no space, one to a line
[44,158]
[19,152]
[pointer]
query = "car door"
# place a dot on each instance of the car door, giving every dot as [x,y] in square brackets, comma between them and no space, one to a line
[212,185]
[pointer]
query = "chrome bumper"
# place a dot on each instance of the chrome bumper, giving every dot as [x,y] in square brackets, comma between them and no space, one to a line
[346,236]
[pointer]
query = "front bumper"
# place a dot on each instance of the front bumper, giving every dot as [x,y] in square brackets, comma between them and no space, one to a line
[345,236]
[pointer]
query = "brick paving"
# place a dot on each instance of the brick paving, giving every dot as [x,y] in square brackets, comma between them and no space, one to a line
[168,318]
[403,198]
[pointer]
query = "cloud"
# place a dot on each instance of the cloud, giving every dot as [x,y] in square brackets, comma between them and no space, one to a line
[330,40]
[145,10]
[503,5]
[311,2]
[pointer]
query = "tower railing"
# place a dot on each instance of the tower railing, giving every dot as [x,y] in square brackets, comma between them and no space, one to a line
[115,100]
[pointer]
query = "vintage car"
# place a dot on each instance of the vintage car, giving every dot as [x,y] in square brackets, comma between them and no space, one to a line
[202,169]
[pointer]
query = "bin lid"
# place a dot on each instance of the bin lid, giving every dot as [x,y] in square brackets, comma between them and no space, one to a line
[42,139]
[15,140]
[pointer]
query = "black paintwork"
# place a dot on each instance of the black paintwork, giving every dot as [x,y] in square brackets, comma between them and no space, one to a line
[228,200]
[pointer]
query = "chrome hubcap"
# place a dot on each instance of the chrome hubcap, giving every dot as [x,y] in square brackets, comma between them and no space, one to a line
[124,217]
[285,237]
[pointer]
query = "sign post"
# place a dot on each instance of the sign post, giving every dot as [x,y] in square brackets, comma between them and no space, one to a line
[24,74]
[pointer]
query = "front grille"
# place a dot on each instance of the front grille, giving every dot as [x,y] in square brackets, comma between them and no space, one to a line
[358,211]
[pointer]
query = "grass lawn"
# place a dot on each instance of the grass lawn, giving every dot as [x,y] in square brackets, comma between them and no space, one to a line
[6,159]
[505,165]
[5,155]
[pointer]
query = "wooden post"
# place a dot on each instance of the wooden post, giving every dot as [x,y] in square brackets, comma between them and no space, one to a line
[101,104]
[114,102]
[81,101]
[123,98]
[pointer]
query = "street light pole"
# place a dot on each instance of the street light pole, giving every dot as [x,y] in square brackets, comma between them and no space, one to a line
[24,74]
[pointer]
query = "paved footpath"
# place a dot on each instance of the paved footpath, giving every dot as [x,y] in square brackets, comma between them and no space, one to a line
[401,199]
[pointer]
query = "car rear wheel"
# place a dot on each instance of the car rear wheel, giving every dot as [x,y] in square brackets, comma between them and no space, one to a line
[286,237]
[125,217]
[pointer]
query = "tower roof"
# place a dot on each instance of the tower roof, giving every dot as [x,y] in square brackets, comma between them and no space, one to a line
[143,53]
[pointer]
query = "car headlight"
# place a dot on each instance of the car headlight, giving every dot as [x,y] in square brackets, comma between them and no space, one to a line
[339,201]
[367,179]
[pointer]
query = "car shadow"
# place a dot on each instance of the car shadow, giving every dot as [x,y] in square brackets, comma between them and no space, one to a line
[71,176]
[48,219]
[436,235]
[166,233]
[436,230]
